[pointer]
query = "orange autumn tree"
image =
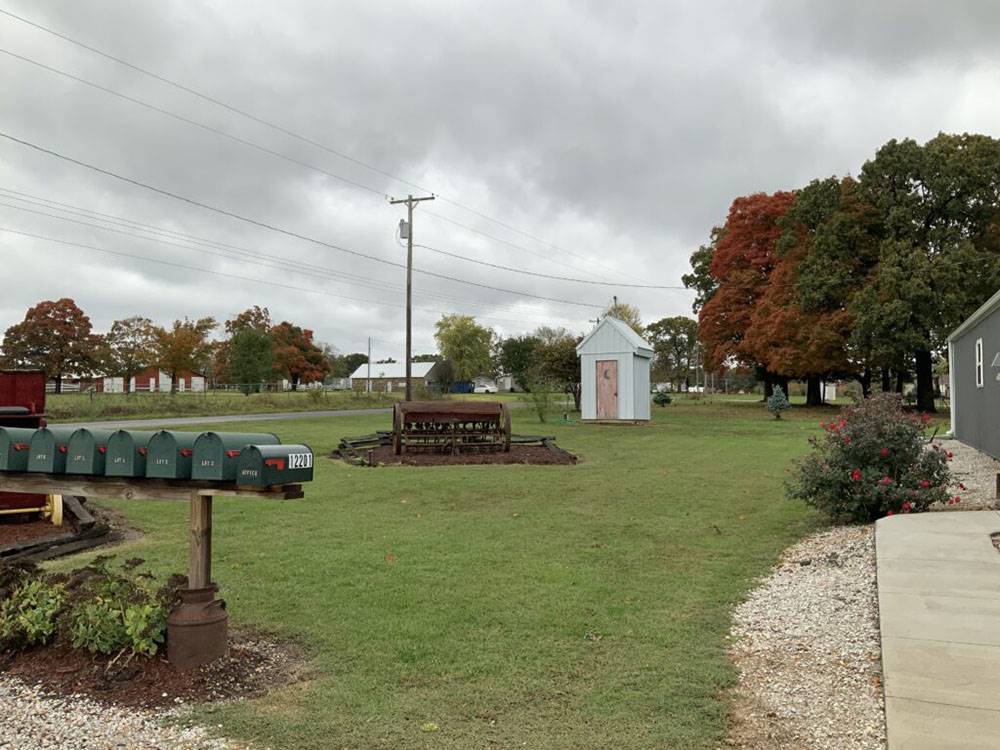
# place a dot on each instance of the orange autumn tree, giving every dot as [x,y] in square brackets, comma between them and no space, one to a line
[742,261]
[55,336]
[794,343]
[296,356]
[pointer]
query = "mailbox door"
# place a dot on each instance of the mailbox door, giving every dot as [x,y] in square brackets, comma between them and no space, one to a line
[127,451]
[15,445]
[48,450]
[216,454]
[87,451]
[169,455]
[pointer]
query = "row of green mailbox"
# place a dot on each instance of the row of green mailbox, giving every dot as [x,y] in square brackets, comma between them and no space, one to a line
[256,459]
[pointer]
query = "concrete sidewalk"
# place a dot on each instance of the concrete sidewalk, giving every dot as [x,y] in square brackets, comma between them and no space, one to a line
[939,611]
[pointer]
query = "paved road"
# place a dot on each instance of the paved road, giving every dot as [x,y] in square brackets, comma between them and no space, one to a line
[277,416]
[939,604]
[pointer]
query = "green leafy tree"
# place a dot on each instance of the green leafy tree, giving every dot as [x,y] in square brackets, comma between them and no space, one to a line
[346,364]
[701,279]
[515,356]
[675,342]
[251,358]
[129,348]
[556,362]
[465,344]
[55,336]
[626,313]
[939,244]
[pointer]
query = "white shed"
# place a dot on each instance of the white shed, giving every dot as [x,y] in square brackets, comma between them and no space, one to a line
[614,373]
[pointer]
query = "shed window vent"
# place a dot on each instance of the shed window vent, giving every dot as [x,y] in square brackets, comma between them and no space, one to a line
[979,363]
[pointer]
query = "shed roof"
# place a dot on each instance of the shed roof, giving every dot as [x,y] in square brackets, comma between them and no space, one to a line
[393,370]
[985,310]
[636,343]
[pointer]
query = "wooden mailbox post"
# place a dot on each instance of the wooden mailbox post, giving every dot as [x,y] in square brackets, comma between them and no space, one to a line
[200,620]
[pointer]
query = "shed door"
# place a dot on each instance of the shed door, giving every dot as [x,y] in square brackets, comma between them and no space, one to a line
[607,389]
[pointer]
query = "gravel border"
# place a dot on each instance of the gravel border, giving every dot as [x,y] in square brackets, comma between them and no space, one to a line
[34,719]
[807,645]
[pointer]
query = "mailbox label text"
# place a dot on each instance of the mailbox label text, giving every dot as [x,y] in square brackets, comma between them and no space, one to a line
[300,460]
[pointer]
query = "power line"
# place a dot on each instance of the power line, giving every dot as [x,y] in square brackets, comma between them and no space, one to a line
[258,147]
[260,259]
[545,275]
[292,134]
[280,230]
[199,269]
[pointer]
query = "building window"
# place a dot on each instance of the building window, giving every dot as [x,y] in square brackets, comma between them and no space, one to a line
[979,363]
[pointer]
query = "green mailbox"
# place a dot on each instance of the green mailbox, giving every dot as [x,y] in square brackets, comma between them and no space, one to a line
[127,451]
[87,452]
[15,443]
[216,453]
[169,455]
[48,449]
[266,465]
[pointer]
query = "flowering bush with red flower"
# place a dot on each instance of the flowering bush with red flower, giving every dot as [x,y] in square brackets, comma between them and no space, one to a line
[872,461]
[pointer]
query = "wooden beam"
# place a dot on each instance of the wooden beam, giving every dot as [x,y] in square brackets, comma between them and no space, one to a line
[200,565]
[136,489]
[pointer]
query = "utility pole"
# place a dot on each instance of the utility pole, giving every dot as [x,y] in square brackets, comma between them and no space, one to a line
[369,387]
[410,202]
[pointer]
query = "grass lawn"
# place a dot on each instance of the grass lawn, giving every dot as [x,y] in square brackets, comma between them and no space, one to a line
[511,606]
[84,407]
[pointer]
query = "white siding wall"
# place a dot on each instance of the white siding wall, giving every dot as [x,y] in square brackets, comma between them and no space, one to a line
[640,367]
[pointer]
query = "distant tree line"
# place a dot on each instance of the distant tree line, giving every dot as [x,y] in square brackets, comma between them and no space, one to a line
[855,277]
[58,338]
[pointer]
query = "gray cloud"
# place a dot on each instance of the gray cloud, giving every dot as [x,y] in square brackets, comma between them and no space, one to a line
[621,134]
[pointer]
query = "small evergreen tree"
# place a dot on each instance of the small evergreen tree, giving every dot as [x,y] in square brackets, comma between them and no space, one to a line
[777,402]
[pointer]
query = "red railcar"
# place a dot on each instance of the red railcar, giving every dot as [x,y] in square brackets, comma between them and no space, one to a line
[22,404]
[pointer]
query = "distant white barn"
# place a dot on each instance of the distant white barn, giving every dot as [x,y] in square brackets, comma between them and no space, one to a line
[614,373]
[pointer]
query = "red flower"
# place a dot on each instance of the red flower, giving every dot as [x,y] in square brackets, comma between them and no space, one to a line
[889,513]
[925,417]
[955,500]
[822,424]
[949,455]
[843,423]
[961,486]
[856,475]
[847,439]
[924,483]
[884,452]
[906,507]
[885,481]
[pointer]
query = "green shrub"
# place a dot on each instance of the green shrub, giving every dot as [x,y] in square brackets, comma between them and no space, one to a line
[873,461]
[112,610]
[28,615]
[661,399]
[540,397]
[777,402]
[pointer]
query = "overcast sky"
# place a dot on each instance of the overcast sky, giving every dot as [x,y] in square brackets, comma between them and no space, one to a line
[608,138]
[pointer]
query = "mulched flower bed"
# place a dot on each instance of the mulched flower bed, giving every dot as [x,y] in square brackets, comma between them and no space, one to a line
[519,454]
[254,665]
[16,533]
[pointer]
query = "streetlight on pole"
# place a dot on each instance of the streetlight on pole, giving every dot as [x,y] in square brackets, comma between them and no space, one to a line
[407,227]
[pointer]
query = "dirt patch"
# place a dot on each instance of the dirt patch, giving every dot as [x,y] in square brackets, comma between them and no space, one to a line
[519,454]
[32,531]
[255,664]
